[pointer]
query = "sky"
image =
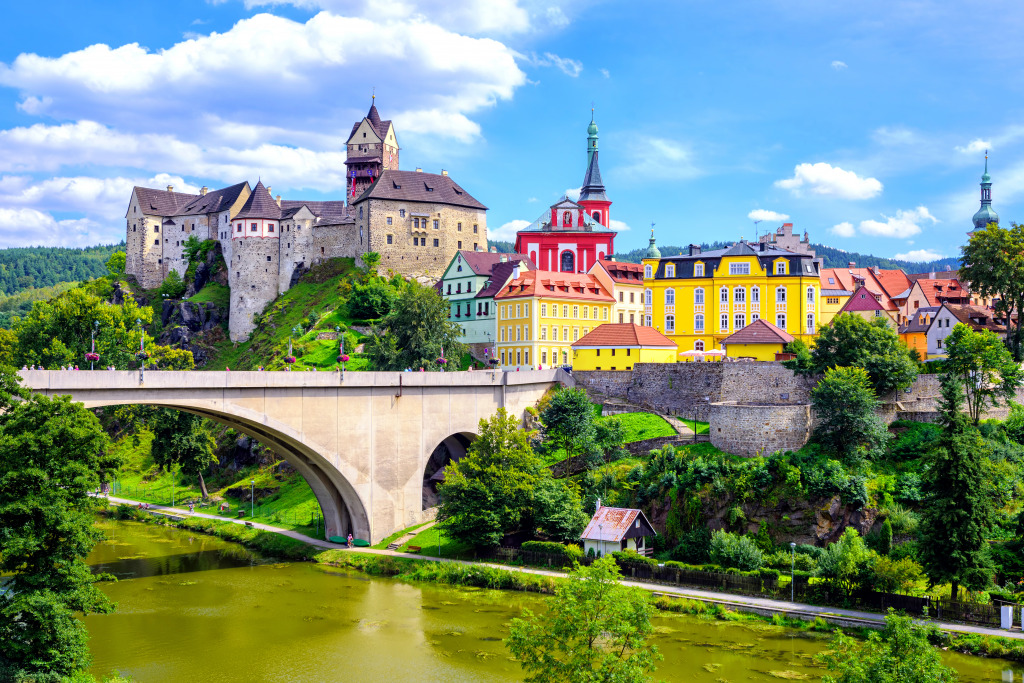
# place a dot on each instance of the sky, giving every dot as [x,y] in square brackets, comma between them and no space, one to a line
[863,122]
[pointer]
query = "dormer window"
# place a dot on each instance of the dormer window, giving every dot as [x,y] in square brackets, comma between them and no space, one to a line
[698,270]
[670,270]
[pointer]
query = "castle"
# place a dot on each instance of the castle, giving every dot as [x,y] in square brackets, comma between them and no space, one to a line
[416,221]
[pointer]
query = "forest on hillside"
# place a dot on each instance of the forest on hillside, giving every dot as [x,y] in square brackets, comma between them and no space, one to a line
[39,267]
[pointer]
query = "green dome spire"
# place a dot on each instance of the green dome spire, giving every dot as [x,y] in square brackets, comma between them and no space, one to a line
[652,251]
[591,137]
[986,214]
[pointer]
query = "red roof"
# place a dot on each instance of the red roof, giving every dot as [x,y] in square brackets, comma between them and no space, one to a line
[623,272]
[863,299]
[553,284]
[938,290]
[894,282]
[612,524]
[624,334]
[852,278]
[483,262]
[759,332]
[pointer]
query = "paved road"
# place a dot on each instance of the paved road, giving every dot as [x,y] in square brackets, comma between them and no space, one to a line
[739,602]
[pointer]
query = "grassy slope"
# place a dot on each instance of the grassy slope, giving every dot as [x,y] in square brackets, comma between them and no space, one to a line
[213,293]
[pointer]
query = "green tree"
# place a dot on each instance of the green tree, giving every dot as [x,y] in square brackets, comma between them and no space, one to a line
[992,262]
[415,332]
[489,492]
[568,421]
[732,550]
[558,510]
[851,341]
[981,365]
[372,299]
[901,653]
[845,407]
[847,563]
[173,287]
[595,629]
[371,260]
[183,440]
[958,511]
[803,359]
[167,358]
[52,453]
[116,265]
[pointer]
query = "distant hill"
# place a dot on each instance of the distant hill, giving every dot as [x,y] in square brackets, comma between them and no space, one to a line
[38,267]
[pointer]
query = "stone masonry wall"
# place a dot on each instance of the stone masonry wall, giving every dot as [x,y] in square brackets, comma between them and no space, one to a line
[253,277]
[334,241]
[296,246]
[750,429]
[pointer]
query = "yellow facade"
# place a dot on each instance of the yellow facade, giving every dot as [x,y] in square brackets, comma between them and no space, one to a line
[687,296]
[538,331]
[755,351]
[830,306]
[619,358]
[916,341]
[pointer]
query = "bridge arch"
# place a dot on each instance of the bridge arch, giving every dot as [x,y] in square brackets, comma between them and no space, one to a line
[451,449]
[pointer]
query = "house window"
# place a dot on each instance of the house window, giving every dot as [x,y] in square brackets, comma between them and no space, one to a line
[543,333]
[621,317]
[632,297]
[391,239]
[252,227]
[698,270]
[780,321]
[698,345]
[565,311]
[648,297]
[832,299]
[698,296]
[647,321]
[604,316]
[780,268]
[780,295]
[739,295]
[739,269]
[723,322]
[878,314]
[519,357]
[576,312]
[670,297]
[584,312]
[543,310]
[437,242]
[698,322]
[670,270]
[554,333]
[575,334]
[622,296]
[738,321]
[647,272]
[810,296]
[670,324]
[810,323]
[238,228]
[270,227]
[755,295]
[723,295]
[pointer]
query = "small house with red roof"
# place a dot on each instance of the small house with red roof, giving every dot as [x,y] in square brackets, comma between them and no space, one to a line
[868,304]
[615,529]
[760,340]
[617,346]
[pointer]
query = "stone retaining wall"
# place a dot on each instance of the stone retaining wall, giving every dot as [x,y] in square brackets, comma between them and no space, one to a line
[750,429]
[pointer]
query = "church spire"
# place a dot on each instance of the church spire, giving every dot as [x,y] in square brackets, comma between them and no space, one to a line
[986,214]
[652,251]
[591,137]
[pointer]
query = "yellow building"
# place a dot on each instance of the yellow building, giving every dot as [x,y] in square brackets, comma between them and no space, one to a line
[760,340]
[542,312]
[625,282]
[914,334]
[697,299]
[617,346]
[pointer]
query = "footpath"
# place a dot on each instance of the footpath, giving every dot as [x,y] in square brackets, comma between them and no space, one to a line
[744,603]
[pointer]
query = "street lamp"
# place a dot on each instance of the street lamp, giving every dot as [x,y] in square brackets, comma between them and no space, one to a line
[792,572]
[141,355]
[92,353]
[252,498]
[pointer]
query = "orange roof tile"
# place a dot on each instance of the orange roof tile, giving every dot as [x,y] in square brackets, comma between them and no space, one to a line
[852,278]
[623,272]
[893,281]
[624,334]
[555,285]
[934,289]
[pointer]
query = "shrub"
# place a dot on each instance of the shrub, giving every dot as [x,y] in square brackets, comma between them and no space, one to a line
[629,558]
[694,546]
[731,550]
[568,554]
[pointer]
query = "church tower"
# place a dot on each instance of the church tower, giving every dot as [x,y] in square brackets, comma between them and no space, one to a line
[371,149]
[986,214]
[592,195]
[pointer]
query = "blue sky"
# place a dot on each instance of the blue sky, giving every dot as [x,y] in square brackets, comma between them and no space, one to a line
[863,122]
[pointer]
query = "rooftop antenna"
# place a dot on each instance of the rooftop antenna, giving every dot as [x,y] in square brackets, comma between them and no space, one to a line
[756,234]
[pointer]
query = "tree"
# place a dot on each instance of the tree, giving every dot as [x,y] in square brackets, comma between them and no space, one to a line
[845,404]
[173,287]
[167,358]
[489,492]
[851,341]
[992,262]
[901,653]
[184,440]
[116,265]
[594,630]
[982,367]
[558,510]
[52,453]
[847,563]
[415,332]
[803,359]
[371,260]
[958,512]
[568,421]
[371,300]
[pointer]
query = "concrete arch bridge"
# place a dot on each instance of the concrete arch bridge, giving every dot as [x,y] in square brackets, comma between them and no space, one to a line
[366,443]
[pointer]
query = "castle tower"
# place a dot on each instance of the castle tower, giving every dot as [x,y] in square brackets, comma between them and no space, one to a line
[371,149]
[255,257]
[592,195]
[986,214]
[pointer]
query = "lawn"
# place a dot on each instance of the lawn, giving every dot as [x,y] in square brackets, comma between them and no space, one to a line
[427,541]
[397,535]
[213,293]
[641,426]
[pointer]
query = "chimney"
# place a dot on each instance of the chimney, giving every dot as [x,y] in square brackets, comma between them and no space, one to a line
[278,200]
[763,246]
[419,170]
[494,250]
[203,190]
[876,270]
[170,188]
[503,258]
[694,249]
[851,264]
[269,190]
[949,268]
[931,275]
[444,172]
[515,272]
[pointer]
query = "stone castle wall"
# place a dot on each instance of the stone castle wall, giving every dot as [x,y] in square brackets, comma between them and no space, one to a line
[253,278]
[336,241]
[751,429]
[296,249]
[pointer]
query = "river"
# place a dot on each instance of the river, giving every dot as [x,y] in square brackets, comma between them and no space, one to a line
[196,608]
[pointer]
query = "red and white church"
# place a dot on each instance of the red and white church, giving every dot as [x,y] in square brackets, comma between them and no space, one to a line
[573,235]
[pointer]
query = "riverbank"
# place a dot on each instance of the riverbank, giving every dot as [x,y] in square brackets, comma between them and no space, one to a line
[283,544]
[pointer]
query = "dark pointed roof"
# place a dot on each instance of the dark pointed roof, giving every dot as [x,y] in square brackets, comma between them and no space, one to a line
[593,187]
[415,186]
[381,127]
[260,205]
[161,202]
[374,117]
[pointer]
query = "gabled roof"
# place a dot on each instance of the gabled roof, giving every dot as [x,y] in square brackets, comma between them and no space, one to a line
[612,524]
[863,299]
[622,272]
[624,335]
[893,282]
[217,200]
[759,332]
[416,186]
[976,317]
[379,127]
[500,276]
[321,209]
[555,285]
[850,279]
[593,187]
[260,205]
[483,262]
[937,290]
[161,202]
[920,321]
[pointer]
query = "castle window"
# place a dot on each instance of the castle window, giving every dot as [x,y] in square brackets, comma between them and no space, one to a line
[670,270]
[475,229]
[460,244]
[476,246]
[423,243]
[698,322]
[698,270]
[437,243]
[401,213]
[389,220]
[268,258]
[183,228]
[459,227]
[739,269]
[156,241]
[739,320]
[670,323]
[239,228]
[133,228]
[390,239]
[415,241]
[437,224]
[159,260]
[270,228]
[252,227]
[416,222]
[156,228]
[321,250]
[361,209]
[647,272]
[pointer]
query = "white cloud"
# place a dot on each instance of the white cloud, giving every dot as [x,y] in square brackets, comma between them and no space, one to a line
[105,198]
[606,73]
[507,232]
[838,66]
[919,255]
[531,200]
[830,181]
[620,226]
[844,229]
[975,146]
[573,193]
[766,215]
[673,159]
[570,67]
[30,227]
[903,224]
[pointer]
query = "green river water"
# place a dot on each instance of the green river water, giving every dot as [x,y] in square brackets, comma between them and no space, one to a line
[196,608]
